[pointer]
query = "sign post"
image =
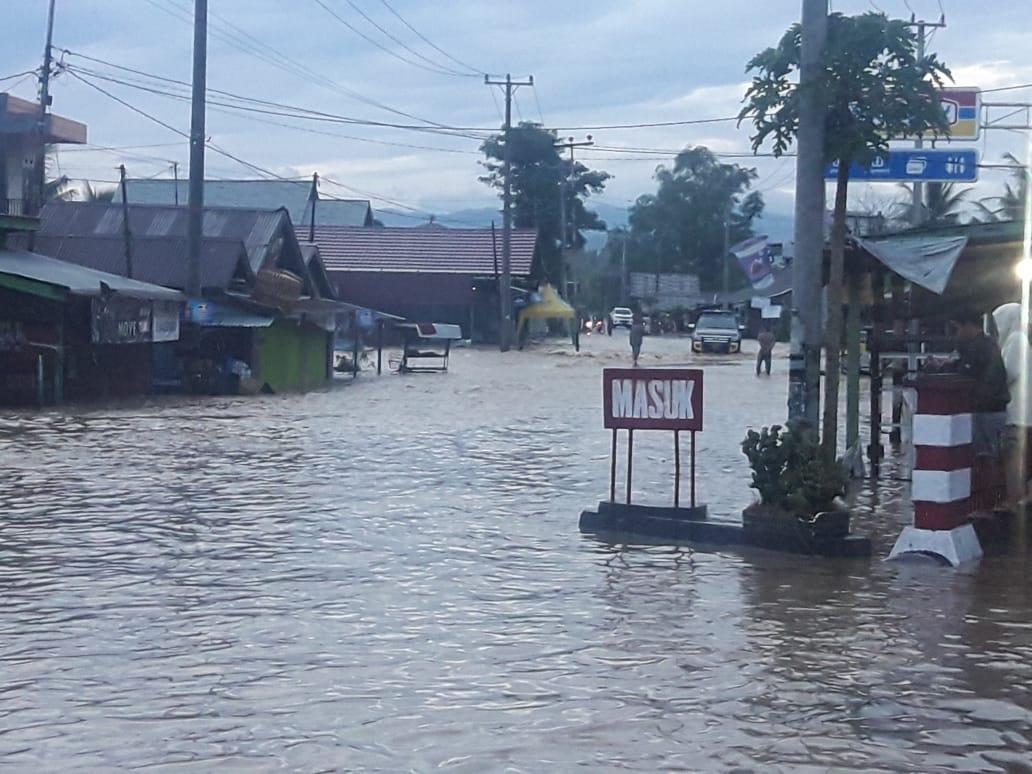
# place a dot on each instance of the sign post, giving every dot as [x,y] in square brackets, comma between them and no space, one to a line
[652,399]
[926,165]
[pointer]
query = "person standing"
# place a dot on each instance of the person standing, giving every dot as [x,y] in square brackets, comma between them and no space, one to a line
[1017,359]
[637,334]
[766,341]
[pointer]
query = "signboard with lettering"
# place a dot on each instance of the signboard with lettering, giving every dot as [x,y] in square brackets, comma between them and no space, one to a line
[120,320]
[652,398]
[928,165]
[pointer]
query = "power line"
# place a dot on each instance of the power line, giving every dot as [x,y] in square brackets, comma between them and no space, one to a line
[427,126]
[408,48]
[174,130]
[277,59]
[422,37]
[431,67]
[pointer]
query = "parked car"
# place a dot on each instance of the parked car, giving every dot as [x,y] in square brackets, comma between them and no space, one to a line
[620,316]
[717,331]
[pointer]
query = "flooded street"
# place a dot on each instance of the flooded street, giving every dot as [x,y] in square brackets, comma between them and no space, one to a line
[388,576]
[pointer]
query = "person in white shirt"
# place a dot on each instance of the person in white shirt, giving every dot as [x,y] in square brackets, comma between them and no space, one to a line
[1017,359]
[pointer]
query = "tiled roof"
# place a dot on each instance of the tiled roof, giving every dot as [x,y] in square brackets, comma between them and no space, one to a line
[158,260]
[411,250]
[292,195]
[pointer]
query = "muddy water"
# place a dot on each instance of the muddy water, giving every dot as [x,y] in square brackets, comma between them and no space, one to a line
[388,576]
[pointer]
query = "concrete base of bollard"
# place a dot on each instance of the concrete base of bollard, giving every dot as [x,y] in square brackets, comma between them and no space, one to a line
[956,546]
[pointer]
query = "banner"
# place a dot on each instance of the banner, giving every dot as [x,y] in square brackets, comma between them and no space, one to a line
[753,256]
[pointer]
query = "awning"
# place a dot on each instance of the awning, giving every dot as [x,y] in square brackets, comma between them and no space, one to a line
[209,314]
[927,261]
[79,280]
[549,307]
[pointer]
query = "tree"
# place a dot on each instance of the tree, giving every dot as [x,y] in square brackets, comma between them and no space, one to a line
[680,228]
[874,86]
[1011,204]
[539,177]
[943,205]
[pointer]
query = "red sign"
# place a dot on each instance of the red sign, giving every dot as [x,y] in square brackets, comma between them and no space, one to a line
[652,398]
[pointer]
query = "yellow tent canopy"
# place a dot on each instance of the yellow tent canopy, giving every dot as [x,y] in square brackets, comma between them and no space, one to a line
[551,306]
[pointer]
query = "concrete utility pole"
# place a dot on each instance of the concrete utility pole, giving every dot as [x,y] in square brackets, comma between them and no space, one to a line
[197,106]
[39,182]
[564,185]
[505,332]
[917,214]
[805,356]
[126,233]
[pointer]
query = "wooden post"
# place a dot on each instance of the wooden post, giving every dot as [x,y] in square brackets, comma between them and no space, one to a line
[379,347]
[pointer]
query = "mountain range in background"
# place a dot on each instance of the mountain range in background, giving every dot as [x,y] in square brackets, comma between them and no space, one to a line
[778,227]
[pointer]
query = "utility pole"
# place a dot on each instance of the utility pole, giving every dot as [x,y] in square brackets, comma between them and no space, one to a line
[727,247]
[505,331]
[564,184]
[805,354]
[39,182]
[126,233]
[918,209]
[197,106]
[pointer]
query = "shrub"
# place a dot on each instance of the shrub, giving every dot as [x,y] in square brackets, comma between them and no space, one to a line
[790,471]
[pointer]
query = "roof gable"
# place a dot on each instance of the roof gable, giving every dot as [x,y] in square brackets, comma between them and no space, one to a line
[417,250]
[291,195]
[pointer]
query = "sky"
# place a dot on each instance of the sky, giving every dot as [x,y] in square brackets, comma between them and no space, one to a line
[399,86]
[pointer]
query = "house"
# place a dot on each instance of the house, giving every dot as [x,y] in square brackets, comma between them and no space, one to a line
[21,133]
[293,195]
[431,274]
[69,332]
[262,304]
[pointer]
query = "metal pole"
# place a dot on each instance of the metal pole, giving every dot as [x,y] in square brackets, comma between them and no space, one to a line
[693,468]
[612,470]
[804,364]
[197,108]
[677,468]
[630,462]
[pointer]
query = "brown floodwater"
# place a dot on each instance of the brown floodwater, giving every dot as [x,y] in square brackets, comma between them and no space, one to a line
[388,576]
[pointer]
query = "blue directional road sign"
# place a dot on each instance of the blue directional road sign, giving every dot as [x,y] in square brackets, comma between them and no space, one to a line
[926,165]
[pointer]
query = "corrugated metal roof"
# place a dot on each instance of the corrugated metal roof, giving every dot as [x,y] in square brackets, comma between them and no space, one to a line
[257,229]
[77,279]
[409,250]
[293,195]
[158,260]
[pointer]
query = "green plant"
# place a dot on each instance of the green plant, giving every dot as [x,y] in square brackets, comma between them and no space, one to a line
[790,471]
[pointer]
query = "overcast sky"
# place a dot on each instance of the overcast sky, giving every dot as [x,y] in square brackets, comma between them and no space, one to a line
[414,63]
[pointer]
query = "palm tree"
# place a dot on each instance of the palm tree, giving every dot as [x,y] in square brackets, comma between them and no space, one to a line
[943,204]
[1011,204]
